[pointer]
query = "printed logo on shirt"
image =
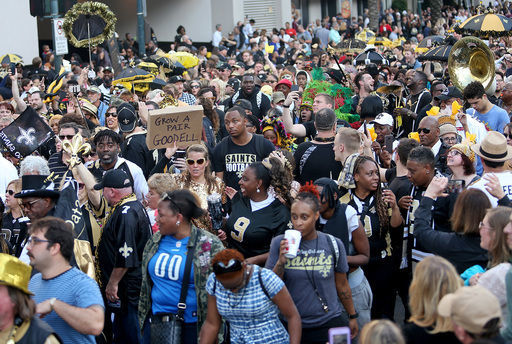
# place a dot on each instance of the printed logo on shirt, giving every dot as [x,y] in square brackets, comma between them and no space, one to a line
[238,162]
[312,261]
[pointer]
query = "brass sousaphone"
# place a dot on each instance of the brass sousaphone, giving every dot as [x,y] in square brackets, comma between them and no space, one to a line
[471,60]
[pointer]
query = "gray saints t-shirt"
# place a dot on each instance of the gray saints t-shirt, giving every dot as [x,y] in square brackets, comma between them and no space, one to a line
[313,266]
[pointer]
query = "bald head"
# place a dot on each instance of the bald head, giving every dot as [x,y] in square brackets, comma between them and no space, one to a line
[428,131]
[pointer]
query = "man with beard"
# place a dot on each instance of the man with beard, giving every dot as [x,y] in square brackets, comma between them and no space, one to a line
[238,150]
[126,229]
[496,97]
[178,82]
[364,83]
[94,96]
[419,97]
[108,148]
[35,100]
[260,103]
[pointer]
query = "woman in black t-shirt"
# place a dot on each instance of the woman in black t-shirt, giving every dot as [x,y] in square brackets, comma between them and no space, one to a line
[11,228]
[379,213]
[256,215]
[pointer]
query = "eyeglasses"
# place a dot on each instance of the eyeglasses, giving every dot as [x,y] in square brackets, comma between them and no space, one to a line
[453,153]
[66,137]
[10,192]
[31,241]
[509,136]
[221,268]
[198,161]
[449,139]
[28,205]
[424,130]
[194,86]
[112,114]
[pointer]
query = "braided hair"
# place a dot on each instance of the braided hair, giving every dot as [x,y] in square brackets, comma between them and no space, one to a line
[380,205]
[330,188]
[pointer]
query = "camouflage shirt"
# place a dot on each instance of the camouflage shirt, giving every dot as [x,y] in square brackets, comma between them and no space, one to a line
[207,247]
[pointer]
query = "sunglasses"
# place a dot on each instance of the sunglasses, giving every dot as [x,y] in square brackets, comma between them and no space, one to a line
[424,130]
[90,154]
[112,114]
[221,268]
[10,192]
[66,137]
[509,136]
[198,161]
[194,86]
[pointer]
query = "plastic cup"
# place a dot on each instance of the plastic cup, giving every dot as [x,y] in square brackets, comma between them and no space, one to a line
[293,236]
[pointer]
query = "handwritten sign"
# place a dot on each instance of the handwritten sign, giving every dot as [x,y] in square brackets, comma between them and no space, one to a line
[183,125]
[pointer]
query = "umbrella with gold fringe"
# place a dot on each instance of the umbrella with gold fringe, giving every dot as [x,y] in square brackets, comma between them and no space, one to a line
[486,25]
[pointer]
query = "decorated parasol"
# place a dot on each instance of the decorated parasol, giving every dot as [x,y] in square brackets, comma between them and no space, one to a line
[428,43]
[365,35]
[439,53]
[186,59]
[169,66]
[381,41]
[130,75]
[486,25]
[370,56]
[11,58]
[349,46]
[89,23]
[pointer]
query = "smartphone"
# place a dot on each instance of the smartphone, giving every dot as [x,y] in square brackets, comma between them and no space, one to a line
[12,67]
[455,186]
[295,88]
[388,142]
[180,154]
[339,335]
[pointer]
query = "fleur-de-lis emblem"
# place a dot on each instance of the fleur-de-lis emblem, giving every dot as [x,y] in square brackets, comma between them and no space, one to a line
[26,136]
[125,250]
[290,225]
[74,147]
[126,121]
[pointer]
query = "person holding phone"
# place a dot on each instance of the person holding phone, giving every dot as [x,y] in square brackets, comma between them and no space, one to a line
[383,144]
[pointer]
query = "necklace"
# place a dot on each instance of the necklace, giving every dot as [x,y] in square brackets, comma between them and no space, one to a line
[238,300]
[324,139]
[17,323]
[311,280]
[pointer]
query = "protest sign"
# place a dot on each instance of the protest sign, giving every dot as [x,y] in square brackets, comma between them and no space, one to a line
[25,134]
[183,125]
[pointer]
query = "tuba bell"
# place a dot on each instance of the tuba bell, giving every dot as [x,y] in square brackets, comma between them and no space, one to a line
[471,60]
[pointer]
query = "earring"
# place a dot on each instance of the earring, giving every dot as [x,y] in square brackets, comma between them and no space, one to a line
[258,190]
[178,223]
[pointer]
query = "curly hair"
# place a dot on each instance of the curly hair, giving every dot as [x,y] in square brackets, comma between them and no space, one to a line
[226,255]
[277,176]
[211,182]
[284,140]
[380,205]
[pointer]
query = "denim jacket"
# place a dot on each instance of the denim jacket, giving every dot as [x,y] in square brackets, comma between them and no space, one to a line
[207,247]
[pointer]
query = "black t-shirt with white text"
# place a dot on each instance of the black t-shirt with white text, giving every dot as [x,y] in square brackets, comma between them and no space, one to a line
[313,161]
[232,159]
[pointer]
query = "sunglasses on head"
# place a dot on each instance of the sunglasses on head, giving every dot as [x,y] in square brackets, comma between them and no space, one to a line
[112,114]
[199,161]
[66,137]
[220,268]
[424,130]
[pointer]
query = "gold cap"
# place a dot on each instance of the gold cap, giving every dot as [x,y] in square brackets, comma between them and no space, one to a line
[14,273]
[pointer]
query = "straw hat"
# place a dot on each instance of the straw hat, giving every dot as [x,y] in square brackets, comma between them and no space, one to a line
[14,273]
[493,148]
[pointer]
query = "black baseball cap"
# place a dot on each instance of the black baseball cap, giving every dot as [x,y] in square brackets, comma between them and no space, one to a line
[450,92]
[235,83]
[116,178]
[126,117]
[176,78]
[224,66]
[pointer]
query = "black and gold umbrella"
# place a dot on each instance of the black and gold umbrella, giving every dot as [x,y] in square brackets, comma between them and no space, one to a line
[132,75]
[348,46]
[11,58]
[370,56]
[486,25]
[439,53]
[89,23]
[428,43]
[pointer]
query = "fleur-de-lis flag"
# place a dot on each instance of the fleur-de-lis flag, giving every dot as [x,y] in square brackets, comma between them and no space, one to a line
[25,134]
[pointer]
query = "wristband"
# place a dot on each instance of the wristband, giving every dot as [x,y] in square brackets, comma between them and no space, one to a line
[286,106]
[52,302]
[353,316]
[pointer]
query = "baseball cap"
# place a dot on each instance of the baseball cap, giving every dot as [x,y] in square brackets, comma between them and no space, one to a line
[222,47]
[471,308]
[126,117]
[115,178]
[284,82]
[278,97]
[176,78]
[383,118]
[244,104]
[224,66]
[94,89]
[450,92]
[235,83]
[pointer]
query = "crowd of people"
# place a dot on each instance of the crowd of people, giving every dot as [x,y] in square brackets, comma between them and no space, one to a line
[401,197]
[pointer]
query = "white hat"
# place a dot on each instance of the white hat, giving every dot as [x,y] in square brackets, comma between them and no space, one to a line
[383,118]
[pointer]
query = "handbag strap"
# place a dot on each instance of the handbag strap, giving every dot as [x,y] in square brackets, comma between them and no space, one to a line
[184,284]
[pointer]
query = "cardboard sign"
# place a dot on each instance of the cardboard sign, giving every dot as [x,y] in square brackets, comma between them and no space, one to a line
[183,125]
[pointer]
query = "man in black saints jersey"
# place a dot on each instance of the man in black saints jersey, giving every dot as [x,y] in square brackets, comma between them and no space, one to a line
[119,254]
[238,150]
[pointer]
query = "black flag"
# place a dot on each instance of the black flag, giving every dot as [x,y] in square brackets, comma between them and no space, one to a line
[68,209]
[25,134]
